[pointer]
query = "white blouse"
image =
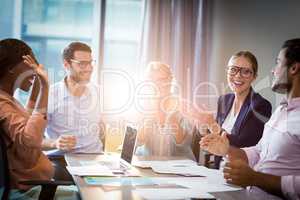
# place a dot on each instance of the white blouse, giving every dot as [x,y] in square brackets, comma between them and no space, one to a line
[230,120]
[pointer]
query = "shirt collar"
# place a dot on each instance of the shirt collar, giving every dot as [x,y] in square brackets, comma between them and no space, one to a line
[291,103]
[63,88]
[65,91]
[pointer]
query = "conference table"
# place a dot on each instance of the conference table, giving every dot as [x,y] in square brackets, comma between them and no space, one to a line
[96,192]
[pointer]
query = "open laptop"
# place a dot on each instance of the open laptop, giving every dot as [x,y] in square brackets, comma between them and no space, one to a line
[128,145]
[122,165]
[127,152]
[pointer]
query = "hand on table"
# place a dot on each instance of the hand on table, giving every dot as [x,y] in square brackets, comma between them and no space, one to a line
[238,172]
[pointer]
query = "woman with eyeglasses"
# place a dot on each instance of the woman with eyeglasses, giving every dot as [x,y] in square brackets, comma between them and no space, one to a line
[241,115]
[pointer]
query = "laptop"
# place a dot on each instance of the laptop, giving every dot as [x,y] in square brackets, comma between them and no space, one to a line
[128,145]
[122,165]
[127,152]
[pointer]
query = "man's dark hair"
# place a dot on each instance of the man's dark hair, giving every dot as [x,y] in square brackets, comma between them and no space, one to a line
[11,53]
[68,52]
[292,53]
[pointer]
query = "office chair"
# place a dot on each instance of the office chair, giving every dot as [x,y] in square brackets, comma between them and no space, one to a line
[202,157]
[48,186]
[195,144]
[4,173]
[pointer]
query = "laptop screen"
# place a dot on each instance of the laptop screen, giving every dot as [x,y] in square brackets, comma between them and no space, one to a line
[129,144]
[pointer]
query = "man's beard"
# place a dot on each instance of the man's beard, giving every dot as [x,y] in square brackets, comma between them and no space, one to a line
[282,86]
[80,80]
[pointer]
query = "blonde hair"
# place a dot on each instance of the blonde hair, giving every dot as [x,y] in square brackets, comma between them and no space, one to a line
[250,57]
[160,68]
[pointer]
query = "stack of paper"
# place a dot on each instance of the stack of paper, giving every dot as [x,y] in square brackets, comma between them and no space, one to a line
[90,170]
[101,170]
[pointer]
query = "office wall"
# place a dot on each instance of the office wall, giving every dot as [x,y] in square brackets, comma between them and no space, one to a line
[260,26]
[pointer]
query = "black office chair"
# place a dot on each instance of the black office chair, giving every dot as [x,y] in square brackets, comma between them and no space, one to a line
[202,157]
[4,173]
[48,186]
[195,144]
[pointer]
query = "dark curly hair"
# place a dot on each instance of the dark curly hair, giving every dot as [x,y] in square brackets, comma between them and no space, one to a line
[11,52]
[292,53]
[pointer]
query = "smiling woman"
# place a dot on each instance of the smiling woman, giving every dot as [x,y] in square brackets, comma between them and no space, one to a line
[243,105]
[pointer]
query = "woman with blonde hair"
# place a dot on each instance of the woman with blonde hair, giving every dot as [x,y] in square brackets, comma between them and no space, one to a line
[241,114]
[163,130]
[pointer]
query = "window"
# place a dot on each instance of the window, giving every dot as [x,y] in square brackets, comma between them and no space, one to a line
[49,25]
[121,41]
[122,32]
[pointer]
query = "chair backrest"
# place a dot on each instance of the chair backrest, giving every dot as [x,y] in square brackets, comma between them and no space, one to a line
[4,170]
[195,143]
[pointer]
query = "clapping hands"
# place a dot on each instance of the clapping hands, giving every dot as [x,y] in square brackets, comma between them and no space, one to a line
[215,144]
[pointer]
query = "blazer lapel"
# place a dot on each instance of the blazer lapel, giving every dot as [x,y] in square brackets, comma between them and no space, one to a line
[226,108]
[242,114]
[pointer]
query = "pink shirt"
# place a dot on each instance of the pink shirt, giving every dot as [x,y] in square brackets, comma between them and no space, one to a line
[278,152]
[25,135]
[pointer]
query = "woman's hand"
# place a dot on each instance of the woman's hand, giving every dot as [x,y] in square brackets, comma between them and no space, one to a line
[215,144]
[200,115]
[39,96]
[38,70]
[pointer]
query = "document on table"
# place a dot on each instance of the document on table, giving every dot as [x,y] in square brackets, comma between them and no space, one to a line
[193,188]
[149,163]
[179,167]
[90,170]
[165,194]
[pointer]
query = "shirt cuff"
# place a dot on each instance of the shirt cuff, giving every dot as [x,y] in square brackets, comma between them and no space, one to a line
[252,156]
[290,186]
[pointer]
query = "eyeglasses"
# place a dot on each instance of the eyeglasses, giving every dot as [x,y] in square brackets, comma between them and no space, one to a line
[244,72]
[83,64]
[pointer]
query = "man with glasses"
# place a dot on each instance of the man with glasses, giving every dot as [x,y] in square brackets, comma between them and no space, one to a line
[273,165]
[74,114]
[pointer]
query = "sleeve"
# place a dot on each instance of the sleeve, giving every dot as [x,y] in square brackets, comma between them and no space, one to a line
[186,126]
[253,154]
[27,131]
[251,130]
[290,186]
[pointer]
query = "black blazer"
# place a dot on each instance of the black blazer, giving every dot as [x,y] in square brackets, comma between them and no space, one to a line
[249,125]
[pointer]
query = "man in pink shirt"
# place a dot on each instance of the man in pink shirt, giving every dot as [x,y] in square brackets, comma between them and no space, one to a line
[273,165]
